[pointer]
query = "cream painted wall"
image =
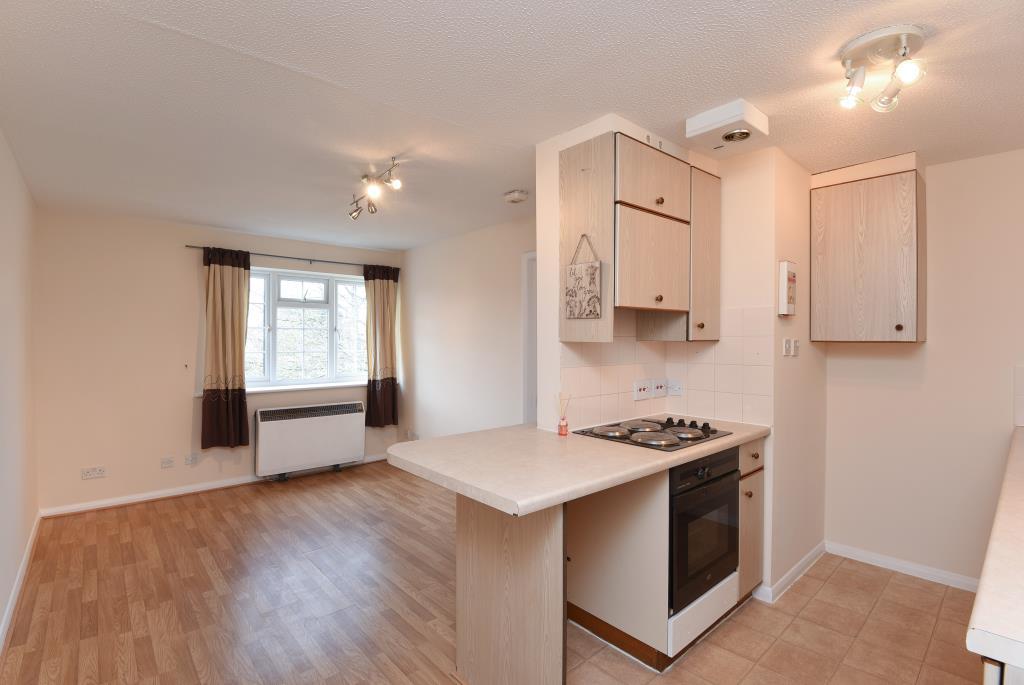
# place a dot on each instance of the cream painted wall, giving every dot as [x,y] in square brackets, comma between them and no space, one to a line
[116,307]
[18,485]
[462,308]
[918,433]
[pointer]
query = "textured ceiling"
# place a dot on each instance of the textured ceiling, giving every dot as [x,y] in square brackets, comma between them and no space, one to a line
[262,115]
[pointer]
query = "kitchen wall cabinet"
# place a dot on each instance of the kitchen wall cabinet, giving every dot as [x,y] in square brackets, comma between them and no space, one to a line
[652,258]
[751,571]
[634,203]
[868,277]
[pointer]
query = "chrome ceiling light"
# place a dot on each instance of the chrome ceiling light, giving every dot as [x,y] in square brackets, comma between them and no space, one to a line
[893,45]
[374,190]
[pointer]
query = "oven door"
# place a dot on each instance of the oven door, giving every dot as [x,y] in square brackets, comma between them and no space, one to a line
[704,539]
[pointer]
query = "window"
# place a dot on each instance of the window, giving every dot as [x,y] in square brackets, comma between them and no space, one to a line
[305,329]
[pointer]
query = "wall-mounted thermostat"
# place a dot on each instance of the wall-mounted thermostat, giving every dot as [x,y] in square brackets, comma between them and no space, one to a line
[787,289]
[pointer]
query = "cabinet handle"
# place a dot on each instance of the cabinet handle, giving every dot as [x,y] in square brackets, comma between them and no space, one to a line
[899,327]
[659,201]
[748,494]
[658,298]
[700,325]
[755,455]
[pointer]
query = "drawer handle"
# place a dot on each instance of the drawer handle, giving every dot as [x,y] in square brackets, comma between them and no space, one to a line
[700,325]
[755,455]
[658,298]
[748,494]
[659,201]
[899,327]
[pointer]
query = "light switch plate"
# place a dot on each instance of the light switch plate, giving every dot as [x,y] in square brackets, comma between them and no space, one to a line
[787,347]
[641,389]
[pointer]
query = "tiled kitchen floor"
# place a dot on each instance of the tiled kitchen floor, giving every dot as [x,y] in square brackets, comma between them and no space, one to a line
[843,622]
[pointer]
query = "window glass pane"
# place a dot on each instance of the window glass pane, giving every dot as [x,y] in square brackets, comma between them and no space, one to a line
[302,343]
[351,313]
[255,315]
[291,289]
[257,289]
[302,290]
[314,291]
[255,338]
[255,366]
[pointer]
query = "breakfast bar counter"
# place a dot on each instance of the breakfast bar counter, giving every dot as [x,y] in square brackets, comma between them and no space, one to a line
[511,485]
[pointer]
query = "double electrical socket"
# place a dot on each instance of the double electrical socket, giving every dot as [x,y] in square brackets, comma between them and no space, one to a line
[790,347]
[94,472]
[649,387]
[190,460]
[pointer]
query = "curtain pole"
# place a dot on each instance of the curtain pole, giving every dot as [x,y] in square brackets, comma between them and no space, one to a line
[297,259]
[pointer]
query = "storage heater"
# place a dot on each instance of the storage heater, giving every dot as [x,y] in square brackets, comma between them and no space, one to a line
[295,438]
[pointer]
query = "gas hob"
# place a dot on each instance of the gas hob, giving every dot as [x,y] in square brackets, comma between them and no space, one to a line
[668,435]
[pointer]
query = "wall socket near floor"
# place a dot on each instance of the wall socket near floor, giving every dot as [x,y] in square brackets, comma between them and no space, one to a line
[94,472]
[191,459]
[641,389]
[790,347]
[167,462]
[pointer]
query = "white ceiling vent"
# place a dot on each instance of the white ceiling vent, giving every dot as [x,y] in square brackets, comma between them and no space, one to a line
[728,129]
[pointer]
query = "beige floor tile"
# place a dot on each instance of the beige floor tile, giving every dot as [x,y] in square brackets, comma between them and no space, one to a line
[913,597]
[847,595]
[824,566]
[954,659]
[876,573]
[906,618]
[848,675]
[806,585]
[714,664]
[857,578]
[797,664]
[818,639]
[739,639]
[895,638]
[839,619]
[580,641]
[957,605]
[950,633]
[880,662]
[572,659]
[919,584]
[792,602]
[933,676]
[589,674]
[762,618]
[624,669]
[759,675]
[679,676]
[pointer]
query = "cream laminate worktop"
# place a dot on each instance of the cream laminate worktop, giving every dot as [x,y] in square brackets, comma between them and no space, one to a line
[997,621]
[522,469]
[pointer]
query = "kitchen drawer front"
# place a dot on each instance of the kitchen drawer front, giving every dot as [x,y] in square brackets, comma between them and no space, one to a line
[751,456]
[652,179]
[652,261]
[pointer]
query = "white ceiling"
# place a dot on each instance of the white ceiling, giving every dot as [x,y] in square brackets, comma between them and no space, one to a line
[261,115]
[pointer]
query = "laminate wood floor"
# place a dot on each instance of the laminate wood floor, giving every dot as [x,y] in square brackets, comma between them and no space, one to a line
[344,577]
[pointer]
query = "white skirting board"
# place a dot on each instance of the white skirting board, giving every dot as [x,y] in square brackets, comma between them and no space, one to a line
[910,568]
[146,496]
[19,580]
[770,593]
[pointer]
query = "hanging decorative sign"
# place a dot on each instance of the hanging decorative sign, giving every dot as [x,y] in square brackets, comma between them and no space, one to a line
[583,285]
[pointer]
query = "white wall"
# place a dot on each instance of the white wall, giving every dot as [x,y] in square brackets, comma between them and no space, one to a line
[18,484]
[462,321]
[918,433]
[117,302]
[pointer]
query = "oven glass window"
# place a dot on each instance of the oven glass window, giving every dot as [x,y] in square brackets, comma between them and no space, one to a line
[707,540]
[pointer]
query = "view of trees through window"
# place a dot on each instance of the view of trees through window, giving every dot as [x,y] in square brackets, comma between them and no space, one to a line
[305,329]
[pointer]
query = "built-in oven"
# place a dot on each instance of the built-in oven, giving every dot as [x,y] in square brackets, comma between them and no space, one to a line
[704,528]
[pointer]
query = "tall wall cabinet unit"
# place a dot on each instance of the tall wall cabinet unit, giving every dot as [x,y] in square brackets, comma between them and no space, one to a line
[868,276]
[633,202]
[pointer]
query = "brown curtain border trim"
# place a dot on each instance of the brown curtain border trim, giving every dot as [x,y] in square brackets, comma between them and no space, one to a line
[373,272]
[219,256]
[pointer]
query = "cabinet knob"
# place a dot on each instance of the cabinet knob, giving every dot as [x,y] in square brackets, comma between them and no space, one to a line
[755,455]
[659,201]
[658,298]
[899,327]
[748,494]
[700,325]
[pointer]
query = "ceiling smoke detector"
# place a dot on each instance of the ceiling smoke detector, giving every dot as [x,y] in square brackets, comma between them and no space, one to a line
[514,197]
[736,135]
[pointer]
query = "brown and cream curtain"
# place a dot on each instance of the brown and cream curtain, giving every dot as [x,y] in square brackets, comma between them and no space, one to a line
[225,417]
[381,311]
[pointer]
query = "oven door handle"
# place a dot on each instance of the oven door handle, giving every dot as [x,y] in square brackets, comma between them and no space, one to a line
[712,488]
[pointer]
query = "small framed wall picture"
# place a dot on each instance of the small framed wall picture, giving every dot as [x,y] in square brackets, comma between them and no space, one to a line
[787,289]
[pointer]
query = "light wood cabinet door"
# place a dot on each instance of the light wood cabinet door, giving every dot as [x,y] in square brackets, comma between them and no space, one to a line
[652,179]
[867,252]
[751,456]
[751,531]
[705,255]
[652,261]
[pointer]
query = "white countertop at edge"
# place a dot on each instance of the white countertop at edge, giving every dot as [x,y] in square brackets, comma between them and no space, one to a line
[997,620]
[523,469]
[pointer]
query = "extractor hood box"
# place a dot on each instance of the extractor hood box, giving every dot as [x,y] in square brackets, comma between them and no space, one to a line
[704,131]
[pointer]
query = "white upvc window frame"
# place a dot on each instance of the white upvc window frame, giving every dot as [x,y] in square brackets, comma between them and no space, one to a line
[273,301]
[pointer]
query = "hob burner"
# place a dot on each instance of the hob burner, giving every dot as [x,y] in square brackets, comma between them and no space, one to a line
[640,425]
[657,438]
[611,431]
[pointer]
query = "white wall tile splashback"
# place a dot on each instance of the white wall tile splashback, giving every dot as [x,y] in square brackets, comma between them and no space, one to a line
[731,379]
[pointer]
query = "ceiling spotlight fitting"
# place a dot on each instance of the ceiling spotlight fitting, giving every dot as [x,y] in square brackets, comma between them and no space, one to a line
[374,189]
[909,71]
[354,214]
[370,207]
[736,135]
[892,45]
